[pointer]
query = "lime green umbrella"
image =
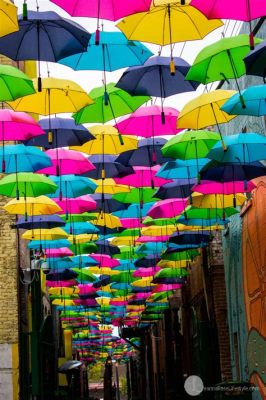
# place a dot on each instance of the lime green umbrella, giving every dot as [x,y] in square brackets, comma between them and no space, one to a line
[84,275]
[127,252]
[207,213]
[110,102]
[135,232]
[159,221]
[14,83]
[180,255]
[171,273]
[221,60]
[26,183]
[84,248]
[84,217]
[136,195]
[190,144]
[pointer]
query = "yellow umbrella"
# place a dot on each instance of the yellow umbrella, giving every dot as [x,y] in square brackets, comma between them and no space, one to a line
[107,141]
[143,282]
[57,96]
[103,301]
[82,238]
[32,206]
[45,234]
[108,220]
[64,302]
[123,241]
[172,264]
[168,23]
[217,200]
[108,186]
[63,291]
[155,230]
[103,271]
[8,18]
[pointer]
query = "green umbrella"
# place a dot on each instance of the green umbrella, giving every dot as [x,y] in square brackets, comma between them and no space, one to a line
[159,221]
[180,255]
[208,213]
[84,275]
[127,252]
[84,248]
[221,60]
[84,217]
[110,102]
[171,273]
[190,145]
[26,183]
[135,232]
[136,195]
[14,83]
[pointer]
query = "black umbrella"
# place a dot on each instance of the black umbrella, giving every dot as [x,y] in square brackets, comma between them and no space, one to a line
[255,61]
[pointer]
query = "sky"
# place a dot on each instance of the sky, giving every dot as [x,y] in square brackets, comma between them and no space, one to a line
[91,79]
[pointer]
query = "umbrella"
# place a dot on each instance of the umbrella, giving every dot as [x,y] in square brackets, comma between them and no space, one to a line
[167,23]
[110,102]
[45,234]
[242,10]
[168,208]
[136,195]
[134,210]
[255,61]
[104,260]
[192,212]
[109,186]
[241,148]
[57,253]
[72,186]
[57,96]
[33,206]
[153,79]
[60,132]
[23,158]
[26,183]
[8,17]
[254,102]
[44,36]
[218,200]
[14,83]
[190,238]
[227,172]
[147,154]
[18,126]
[65,275]
[212,187]
[147,122]
[106,166]
[107,204]
[143,177]
[65,162]
[106,220]
[41,221]
[51,244]
[107,141]
[174,189]
[178,169]
[113,52]
[77,228]
[76,205]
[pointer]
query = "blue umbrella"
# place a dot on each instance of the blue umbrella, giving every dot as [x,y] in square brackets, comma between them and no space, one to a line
[134,210]
[155,248]
[60,132]
[190,238]
[106,165]
[241,148]
[215,171]
[254,99]
[201,222]
[76,228]
[104,247]
[71,186]
[20,158]
[153,79]
[40,221]
[147,154]
[61,276]
[188,169]
[174,190]
[255,61]
[49,244]
[115,51]
[84,260]
[107,204]
[44,36]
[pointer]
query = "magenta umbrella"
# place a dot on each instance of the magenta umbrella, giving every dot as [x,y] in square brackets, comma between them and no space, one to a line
[166,287]
[86,289]
[211,187]
[168,208]
[145,272]
[77,205]
[67,162]
[69,283]
[105,260]
[143,177]
[61,252]
[131,223]
[149,239]
[147,122]
[241,10]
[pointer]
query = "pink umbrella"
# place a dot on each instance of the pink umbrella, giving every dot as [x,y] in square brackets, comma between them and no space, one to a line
[144,272]
[105,260]
[61,252]
[147,122]
[131,223]
[149,239]
[86,289]
[143,177]
[118,302]
[67,162]
[141,296]
[18,126]
[166,287]
[241,10]
[168,208]
[86,302]
[76,205]
[211,187]
[70,283]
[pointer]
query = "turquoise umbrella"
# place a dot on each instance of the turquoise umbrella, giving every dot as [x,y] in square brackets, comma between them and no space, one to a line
[72,186]
[254,102]
[178,169]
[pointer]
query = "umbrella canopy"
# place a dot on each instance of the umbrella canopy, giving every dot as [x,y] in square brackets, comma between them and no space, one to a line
[190,238]
[174,189]
[221,60]
[57,96]
[60,132]
[107,141]
[33,206]
[18,126]
[106,166]
[173,22]
[217,200]
[178,169]
[214,171]
[136,195]
[110,9]
[153,78]
[241,148]
[192,212]
[168,208]
[51,244]
[110,102]
[41,221]
[76,205]
[114,52]
[254,102]
[147,122]
[142,177]
[255,61]
[8,17]
[72,186]
[106,203]
[211,187]
[14,83]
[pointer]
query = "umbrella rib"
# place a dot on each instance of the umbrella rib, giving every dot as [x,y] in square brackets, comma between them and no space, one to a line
[42,26]
[30,27]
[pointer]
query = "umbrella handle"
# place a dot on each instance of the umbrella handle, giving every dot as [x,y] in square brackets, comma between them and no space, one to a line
[251,41]
[39,84]
[163,117]
[172,67]
[242,101]
[25,11]
[97,37]
[3,166]
[183,2]
[50,137]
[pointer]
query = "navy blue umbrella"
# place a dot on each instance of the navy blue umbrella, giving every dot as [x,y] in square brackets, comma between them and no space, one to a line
[147,154]
[153,78]
[111,167]
[169,280]
[44,36]
[62,275]
[105,203]
[40,221]
[190,238]
[104,247]
[146,262]
[174,190]
[215,171]
[255,61]
[60,132]
[103,281]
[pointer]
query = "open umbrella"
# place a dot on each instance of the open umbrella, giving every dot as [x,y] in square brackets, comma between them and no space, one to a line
[113,52]
[255,61]
[45,234]
[136,195]
[168,208]
[8,18]
[218,200]
[107,166]
[60,132]
[254,102]
[174,189]
[44,36]
[212,187]
[72,186]
[142,177]
[179,169]
[228,172]
[41,221]
[14,83]
[32,206]
[110,102]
